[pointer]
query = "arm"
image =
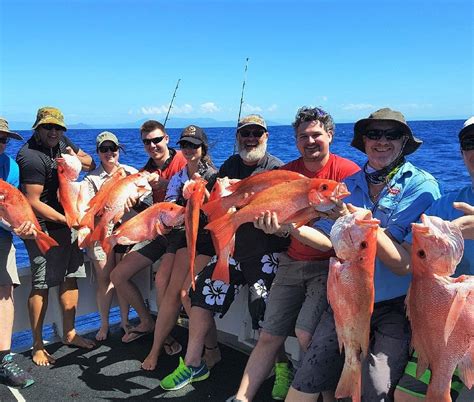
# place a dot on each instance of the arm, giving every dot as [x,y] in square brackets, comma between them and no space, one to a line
[394,255]
[465,222]
[33,193]
[87,162]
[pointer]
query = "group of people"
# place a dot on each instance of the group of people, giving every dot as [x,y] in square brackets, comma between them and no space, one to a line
[284,266]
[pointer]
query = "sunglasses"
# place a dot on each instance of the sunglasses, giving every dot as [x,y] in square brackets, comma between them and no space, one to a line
[51,127]
[4,140]
[254,133]
[467,144]
[189,145]
[105,148]
[155,140]
[391,134]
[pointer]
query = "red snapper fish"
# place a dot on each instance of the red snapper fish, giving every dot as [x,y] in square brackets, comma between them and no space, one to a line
[242,191]
[111,206]
[351,293]
[15,209]
[196,190]
[440,308]
[147,225]
[69,167]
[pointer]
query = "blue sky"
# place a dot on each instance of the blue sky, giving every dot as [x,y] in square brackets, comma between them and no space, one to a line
[117,61]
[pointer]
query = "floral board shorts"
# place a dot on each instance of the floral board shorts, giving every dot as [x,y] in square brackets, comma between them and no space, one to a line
[217,296]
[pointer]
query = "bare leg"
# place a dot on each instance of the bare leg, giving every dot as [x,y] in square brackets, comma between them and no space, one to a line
[120,276]
[123,304]
[200,322]
[163,276]
[104,297]
[259,365]
[68,299]
[170,304]
[7,312]
[401,396]
[37,305]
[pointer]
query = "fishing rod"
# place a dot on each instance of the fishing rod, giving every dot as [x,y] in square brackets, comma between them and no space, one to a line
[242,98]
[171,103]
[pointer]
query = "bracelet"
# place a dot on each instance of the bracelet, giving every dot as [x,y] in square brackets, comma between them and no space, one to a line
[287,232]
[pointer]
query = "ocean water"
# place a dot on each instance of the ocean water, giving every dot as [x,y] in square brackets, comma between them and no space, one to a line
[438,155]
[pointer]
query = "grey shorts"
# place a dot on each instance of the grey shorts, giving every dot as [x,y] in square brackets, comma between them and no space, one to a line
[297,296]
[154,249]
[8,270]
[60,262]
[381,370]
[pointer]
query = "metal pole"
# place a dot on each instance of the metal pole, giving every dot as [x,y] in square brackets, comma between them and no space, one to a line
[171,103]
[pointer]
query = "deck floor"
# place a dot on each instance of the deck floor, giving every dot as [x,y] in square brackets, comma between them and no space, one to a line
[111,371]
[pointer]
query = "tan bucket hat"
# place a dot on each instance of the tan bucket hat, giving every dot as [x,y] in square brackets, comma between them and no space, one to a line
[4,129]
[49,115]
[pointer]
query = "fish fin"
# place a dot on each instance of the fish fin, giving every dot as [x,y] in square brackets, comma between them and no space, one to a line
[302,216]
[350,380]
[221,269]
[466,367]
[455,310]
[422,364]
[213,209]
[83,236]
[223,230]
[44,242]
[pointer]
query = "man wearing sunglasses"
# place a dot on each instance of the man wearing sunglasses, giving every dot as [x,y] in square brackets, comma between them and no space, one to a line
[164,162]
[10,373]
[62,265]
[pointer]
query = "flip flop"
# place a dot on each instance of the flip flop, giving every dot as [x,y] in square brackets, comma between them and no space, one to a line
[171,349]
[138,334]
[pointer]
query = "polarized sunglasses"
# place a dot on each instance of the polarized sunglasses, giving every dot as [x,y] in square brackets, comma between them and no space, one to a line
[51,127]
[105,148]
[390,134]
[189,145]
[4,140]
[254,133]
[467,144]
[155,140]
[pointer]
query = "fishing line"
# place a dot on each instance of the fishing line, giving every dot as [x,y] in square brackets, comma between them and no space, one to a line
[171,103]
[241,101]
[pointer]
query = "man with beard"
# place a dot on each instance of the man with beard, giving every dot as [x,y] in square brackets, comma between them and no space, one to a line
[254,264]
[298,294]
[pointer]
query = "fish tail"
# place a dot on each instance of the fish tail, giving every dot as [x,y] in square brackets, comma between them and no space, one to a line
[223,230]
[44,242]
[221,269]
[350,381]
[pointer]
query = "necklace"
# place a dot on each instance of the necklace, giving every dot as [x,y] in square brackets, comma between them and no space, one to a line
[375,197]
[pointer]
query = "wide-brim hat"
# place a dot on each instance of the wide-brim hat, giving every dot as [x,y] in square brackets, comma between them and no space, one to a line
[193,134]
[252,120]
[49,115]
[106,136]
[468,128]
[4,129]
[390,115]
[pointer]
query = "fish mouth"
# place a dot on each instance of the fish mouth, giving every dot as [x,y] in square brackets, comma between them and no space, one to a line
[341,191]
[364,218]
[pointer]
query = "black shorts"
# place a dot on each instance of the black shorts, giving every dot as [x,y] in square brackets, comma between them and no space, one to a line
[217,296]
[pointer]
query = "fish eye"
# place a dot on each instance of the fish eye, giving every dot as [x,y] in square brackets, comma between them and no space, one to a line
[421,253]
[363,245]
[324,187]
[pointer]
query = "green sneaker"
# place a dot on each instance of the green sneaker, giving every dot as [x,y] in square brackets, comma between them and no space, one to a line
[184,375]
[283,379]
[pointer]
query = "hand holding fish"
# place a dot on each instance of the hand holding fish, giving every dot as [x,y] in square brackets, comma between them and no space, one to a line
[340,209]
[465,222]
[26,230]
[155,181]
[268,222]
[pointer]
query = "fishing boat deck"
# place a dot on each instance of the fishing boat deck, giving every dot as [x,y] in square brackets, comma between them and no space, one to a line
[111,371]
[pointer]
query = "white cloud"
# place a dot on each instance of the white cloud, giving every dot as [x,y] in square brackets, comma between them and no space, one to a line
[358,106]
[163,109]
[272,108]
[251,109]
[416,106]
[209,107]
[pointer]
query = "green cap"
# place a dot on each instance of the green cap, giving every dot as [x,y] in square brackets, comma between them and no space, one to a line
[49,115]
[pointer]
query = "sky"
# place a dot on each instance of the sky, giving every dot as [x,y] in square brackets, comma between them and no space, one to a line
[117,61]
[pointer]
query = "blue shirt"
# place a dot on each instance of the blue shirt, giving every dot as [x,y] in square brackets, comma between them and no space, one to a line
[410,192]
[9,172]
[444,209]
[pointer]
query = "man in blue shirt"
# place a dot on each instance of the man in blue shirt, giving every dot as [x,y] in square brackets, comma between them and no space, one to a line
[10,372]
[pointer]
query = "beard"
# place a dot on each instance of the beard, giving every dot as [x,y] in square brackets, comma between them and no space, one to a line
[255,154]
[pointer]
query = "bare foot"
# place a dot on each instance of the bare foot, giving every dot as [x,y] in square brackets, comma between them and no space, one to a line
[212,356]
[102,334]
[75,340]
[42,358]
[150,361]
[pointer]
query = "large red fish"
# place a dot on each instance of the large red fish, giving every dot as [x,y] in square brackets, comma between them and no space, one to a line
[440,308]
[243,189]
[147,225]
[15,209]
[196,189]
[111,207]
[69,167]
[290,200]
[351,293]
